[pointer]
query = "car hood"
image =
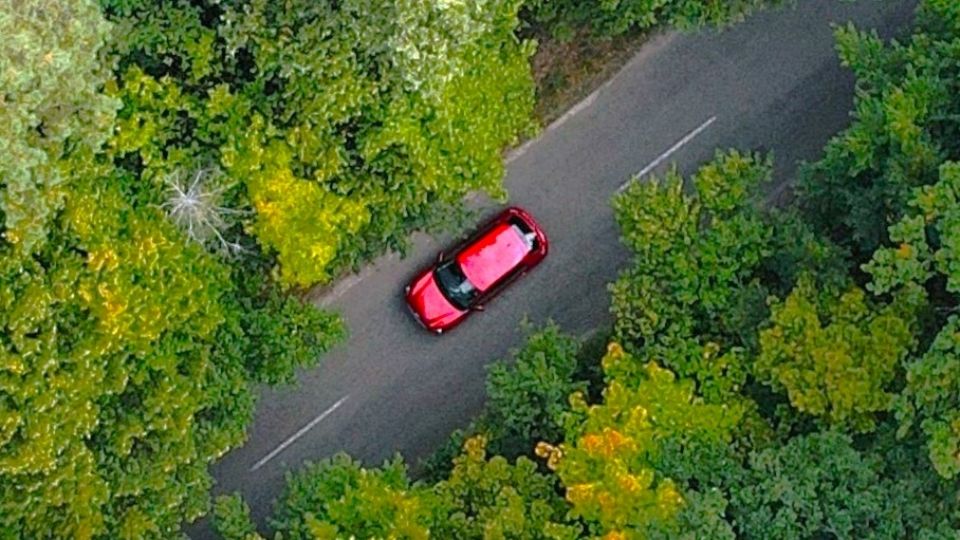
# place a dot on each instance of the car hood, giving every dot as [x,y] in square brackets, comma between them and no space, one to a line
[430,306]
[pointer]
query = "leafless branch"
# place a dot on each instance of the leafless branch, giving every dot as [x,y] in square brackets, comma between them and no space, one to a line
[194,204]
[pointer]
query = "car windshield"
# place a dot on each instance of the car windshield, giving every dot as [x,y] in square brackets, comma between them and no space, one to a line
[454,285]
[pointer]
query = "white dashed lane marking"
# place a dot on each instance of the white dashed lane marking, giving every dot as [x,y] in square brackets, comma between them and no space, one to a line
[666,155]
[300,433]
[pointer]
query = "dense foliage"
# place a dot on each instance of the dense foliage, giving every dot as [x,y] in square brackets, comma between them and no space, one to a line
[127,348]
[694,266]
[143,337]
[50,109]
[889,187]
[833,354]
[489,498]
[158,160]
[618,459]
[527,399]
[483,498]
[341,126]
[814,486]
[610,18]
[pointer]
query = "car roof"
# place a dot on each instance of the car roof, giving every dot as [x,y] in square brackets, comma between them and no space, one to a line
[493,255]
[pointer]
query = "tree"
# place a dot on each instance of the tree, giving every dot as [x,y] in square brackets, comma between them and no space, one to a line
[338,498]
[142,336]
[695,260]
[231,518]
[114,321]
[194,204]
[492,499]
[890,183]
[527,400]
[926,257]
[834,354]
[614,458]
[703,516]
[926,241]
[901,133]
[815,485]
[915,495]
[344,127]
[125,352]
[51,107]
[276,333]
[489,499]
[931,401]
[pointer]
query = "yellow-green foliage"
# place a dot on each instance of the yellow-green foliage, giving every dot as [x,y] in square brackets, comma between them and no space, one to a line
[834,355]
[106,356]
[337,498]
[303,223]
[482,499]
[489,498]
[611,462]
[126,350]
[125,356]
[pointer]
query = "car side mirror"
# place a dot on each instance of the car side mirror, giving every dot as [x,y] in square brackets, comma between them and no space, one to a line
[478,307]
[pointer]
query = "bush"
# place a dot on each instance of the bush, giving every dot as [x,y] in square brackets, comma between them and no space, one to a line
[561,17]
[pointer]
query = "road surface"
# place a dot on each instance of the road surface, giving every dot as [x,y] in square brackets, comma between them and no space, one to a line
[772,82]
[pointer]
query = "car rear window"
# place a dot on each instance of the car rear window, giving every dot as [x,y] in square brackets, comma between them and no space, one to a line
[525,232]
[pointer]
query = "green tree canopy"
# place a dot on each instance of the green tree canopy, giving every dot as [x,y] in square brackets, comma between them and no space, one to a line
[834,353]
[491,499]
[142,336]
[893,181]
[337,498]
[614,458]
[926,256]
[904,128]
[694,266]
[815,485]
[231,518]
[528,398]
[126,349]
[51,108]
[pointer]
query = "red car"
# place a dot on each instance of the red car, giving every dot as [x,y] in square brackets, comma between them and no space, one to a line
[502,250]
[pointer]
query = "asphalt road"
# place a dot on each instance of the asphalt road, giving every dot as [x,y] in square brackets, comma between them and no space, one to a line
[772,82]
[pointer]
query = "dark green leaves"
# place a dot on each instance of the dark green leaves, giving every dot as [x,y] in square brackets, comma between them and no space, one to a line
[816,485]
[527,400]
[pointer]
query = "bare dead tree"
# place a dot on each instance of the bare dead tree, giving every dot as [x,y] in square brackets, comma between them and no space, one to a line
[194,204]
